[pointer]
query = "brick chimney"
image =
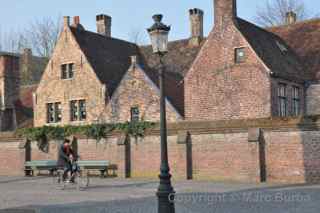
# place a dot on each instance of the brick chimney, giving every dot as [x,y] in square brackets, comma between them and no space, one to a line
[76,23]
[104,25]
[66,21]
[134,61]
[224,11]
[291,17]
[26,64]
[196,24]
[10,81]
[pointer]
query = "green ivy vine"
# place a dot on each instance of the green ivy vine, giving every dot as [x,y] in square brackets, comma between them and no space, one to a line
[95,131]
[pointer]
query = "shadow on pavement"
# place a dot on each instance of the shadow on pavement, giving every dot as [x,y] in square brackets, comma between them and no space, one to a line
[20,179]
[282,199]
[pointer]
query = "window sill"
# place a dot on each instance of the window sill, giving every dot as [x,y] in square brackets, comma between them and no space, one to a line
[53,124]
[79,122]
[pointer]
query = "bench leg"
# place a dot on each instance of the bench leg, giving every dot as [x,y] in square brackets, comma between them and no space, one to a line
[102,173]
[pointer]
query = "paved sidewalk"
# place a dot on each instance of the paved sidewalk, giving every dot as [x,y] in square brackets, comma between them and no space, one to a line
[138,196]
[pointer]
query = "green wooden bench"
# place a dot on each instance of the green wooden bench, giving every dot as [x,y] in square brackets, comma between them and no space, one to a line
[51,165]
[99,165]
[40,165]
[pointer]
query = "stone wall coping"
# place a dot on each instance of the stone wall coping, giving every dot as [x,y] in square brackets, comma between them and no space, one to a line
[307,123]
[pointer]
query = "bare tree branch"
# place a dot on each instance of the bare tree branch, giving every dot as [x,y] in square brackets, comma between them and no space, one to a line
[12,41]
[137,36]
[274,12]
[42,35]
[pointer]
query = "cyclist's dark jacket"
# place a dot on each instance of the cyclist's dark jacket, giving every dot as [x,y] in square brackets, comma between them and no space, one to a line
[63,158]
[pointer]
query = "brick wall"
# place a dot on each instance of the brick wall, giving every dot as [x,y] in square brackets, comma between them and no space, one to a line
[217,88]
[275,150]
[137,90]
[83,85]
[292,157]
[224,157]
[313,99]
[145,155]
[11,158]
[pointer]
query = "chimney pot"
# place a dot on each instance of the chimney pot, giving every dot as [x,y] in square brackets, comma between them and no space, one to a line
[104,25]
[196,25]
[291,17]
[27,51]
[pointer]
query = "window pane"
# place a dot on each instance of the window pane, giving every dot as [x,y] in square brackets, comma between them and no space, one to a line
[296,101]
[58,114]
[282,100]
[82,110]
[74,110]
[50,113]
[135,114]
[70,70]
[239,55]
[64,71]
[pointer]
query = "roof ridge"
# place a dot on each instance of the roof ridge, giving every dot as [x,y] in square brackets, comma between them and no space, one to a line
[102,36]
[294,24]
[258,27]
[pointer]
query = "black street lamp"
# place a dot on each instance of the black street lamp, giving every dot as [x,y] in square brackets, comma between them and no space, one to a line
[159,39]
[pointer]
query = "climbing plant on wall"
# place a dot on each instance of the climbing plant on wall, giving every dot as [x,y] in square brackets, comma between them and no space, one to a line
[95,131]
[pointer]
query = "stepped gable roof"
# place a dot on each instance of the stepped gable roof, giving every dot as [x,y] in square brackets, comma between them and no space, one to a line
[304,38]
[279,57]
[109,57]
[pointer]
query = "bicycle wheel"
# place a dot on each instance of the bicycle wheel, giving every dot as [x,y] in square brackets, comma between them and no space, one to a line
[58,180]
[81,181]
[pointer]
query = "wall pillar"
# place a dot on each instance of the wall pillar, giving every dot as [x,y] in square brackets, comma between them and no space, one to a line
[257,147]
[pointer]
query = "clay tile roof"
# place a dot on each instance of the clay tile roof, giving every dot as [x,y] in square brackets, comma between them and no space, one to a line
[304,38]
[109,57]
[178,61]
[273,51]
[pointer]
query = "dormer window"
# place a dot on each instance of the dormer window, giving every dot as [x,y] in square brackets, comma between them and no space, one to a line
[240,55]
[67,71]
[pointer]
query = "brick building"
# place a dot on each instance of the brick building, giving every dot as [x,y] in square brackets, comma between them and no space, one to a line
[240,71]
[18,72]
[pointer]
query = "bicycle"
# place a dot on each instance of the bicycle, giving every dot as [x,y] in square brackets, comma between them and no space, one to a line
[75,178]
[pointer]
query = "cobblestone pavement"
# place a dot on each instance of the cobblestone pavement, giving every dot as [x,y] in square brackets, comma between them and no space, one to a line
[40,195]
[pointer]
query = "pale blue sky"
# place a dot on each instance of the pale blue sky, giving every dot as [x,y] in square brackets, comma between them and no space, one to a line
[127,14]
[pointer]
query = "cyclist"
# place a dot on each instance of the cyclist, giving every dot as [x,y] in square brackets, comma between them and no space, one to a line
[66,155]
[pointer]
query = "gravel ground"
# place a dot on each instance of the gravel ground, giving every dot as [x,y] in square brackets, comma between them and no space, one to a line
[40,195]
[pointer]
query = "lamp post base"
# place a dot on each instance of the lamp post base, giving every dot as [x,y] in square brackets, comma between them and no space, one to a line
[165,195]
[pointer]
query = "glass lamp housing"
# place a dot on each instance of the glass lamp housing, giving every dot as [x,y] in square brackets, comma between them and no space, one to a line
[159,34]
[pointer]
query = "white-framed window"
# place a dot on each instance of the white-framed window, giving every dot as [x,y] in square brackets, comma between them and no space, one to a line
[67,71]
[240,55]
[78,111]
[54,112]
